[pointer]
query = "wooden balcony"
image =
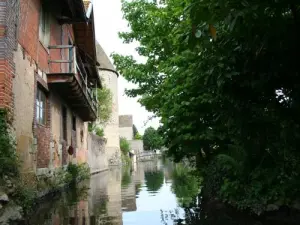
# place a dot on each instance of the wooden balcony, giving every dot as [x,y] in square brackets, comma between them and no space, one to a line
[75,85]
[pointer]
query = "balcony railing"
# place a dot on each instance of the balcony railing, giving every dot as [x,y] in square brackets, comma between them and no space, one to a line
[75,69]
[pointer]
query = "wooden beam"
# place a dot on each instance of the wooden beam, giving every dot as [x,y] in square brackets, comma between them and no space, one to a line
[66,20]
[60,46]
[60,61]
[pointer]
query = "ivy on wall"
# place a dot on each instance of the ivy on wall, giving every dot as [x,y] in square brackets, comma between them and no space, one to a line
[8,157]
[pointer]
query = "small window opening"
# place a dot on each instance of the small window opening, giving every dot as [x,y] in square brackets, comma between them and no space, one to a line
[74,123]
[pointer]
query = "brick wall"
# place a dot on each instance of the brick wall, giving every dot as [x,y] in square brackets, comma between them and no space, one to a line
[8,42]
[39,55]
[29,37]
[23,64]
[42,132]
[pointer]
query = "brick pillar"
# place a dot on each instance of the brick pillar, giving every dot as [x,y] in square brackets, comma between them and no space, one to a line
[9,13]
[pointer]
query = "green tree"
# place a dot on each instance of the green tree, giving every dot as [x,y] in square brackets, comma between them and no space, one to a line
[138,137]
[152,139]
[224,78]
[136,134]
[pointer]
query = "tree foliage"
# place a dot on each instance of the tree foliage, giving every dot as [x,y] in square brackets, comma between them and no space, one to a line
[136,134]
[224,78]
[105,104]
[8,157]
[124,146]
[152,139]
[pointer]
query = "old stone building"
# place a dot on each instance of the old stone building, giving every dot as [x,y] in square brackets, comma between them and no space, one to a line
[126,126]
[109,77]
[126,131]
[48,77]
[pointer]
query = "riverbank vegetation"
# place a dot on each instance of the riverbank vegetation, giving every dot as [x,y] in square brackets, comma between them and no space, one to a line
[224,78]
[26,191]
[8,157]
[125,149]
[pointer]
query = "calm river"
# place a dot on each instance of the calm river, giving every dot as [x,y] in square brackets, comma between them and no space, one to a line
[146,194]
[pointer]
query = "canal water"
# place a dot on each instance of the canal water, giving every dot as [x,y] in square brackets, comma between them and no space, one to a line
[149,193]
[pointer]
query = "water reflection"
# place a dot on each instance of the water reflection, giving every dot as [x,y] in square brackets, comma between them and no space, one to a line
[150,193]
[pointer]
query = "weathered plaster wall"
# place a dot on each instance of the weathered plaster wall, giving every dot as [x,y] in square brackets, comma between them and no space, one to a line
[137,146]
[111,130]
[126,126]
[24,98]
[126,132]
[97,159]
[77,139]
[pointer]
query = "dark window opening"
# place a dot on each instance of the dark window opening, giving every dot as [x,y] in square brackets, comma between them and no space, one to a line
[40,107]
[74,123]
[64,122]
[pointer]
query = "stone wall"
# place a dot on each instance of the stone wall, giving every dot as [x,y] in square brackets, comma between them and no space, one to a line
[126,127]
[137,146]
[97,158]
[111,129]
[125,121]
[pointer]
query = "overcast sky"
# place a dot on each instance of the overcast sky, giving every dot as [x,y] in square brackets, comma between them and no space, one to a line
[109,21]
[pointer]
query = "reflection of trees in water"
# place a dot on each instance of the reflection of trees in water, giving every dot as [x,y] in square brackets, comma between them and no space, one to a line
[185,185]
[154,180]
[126,177]
[208,213]
[60,205]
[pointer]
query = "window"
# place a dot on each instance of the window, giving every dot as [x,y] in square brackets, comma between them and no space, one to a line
[71,56]
[44,27]
[74,123]
[40,107]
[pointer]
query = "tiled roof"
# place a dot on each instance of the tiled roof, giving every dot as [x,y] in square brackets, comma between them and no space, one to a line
[103,59]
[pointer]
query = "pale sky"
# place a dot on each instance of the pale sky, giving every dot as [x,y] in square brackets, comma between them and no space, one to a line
[108,22]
